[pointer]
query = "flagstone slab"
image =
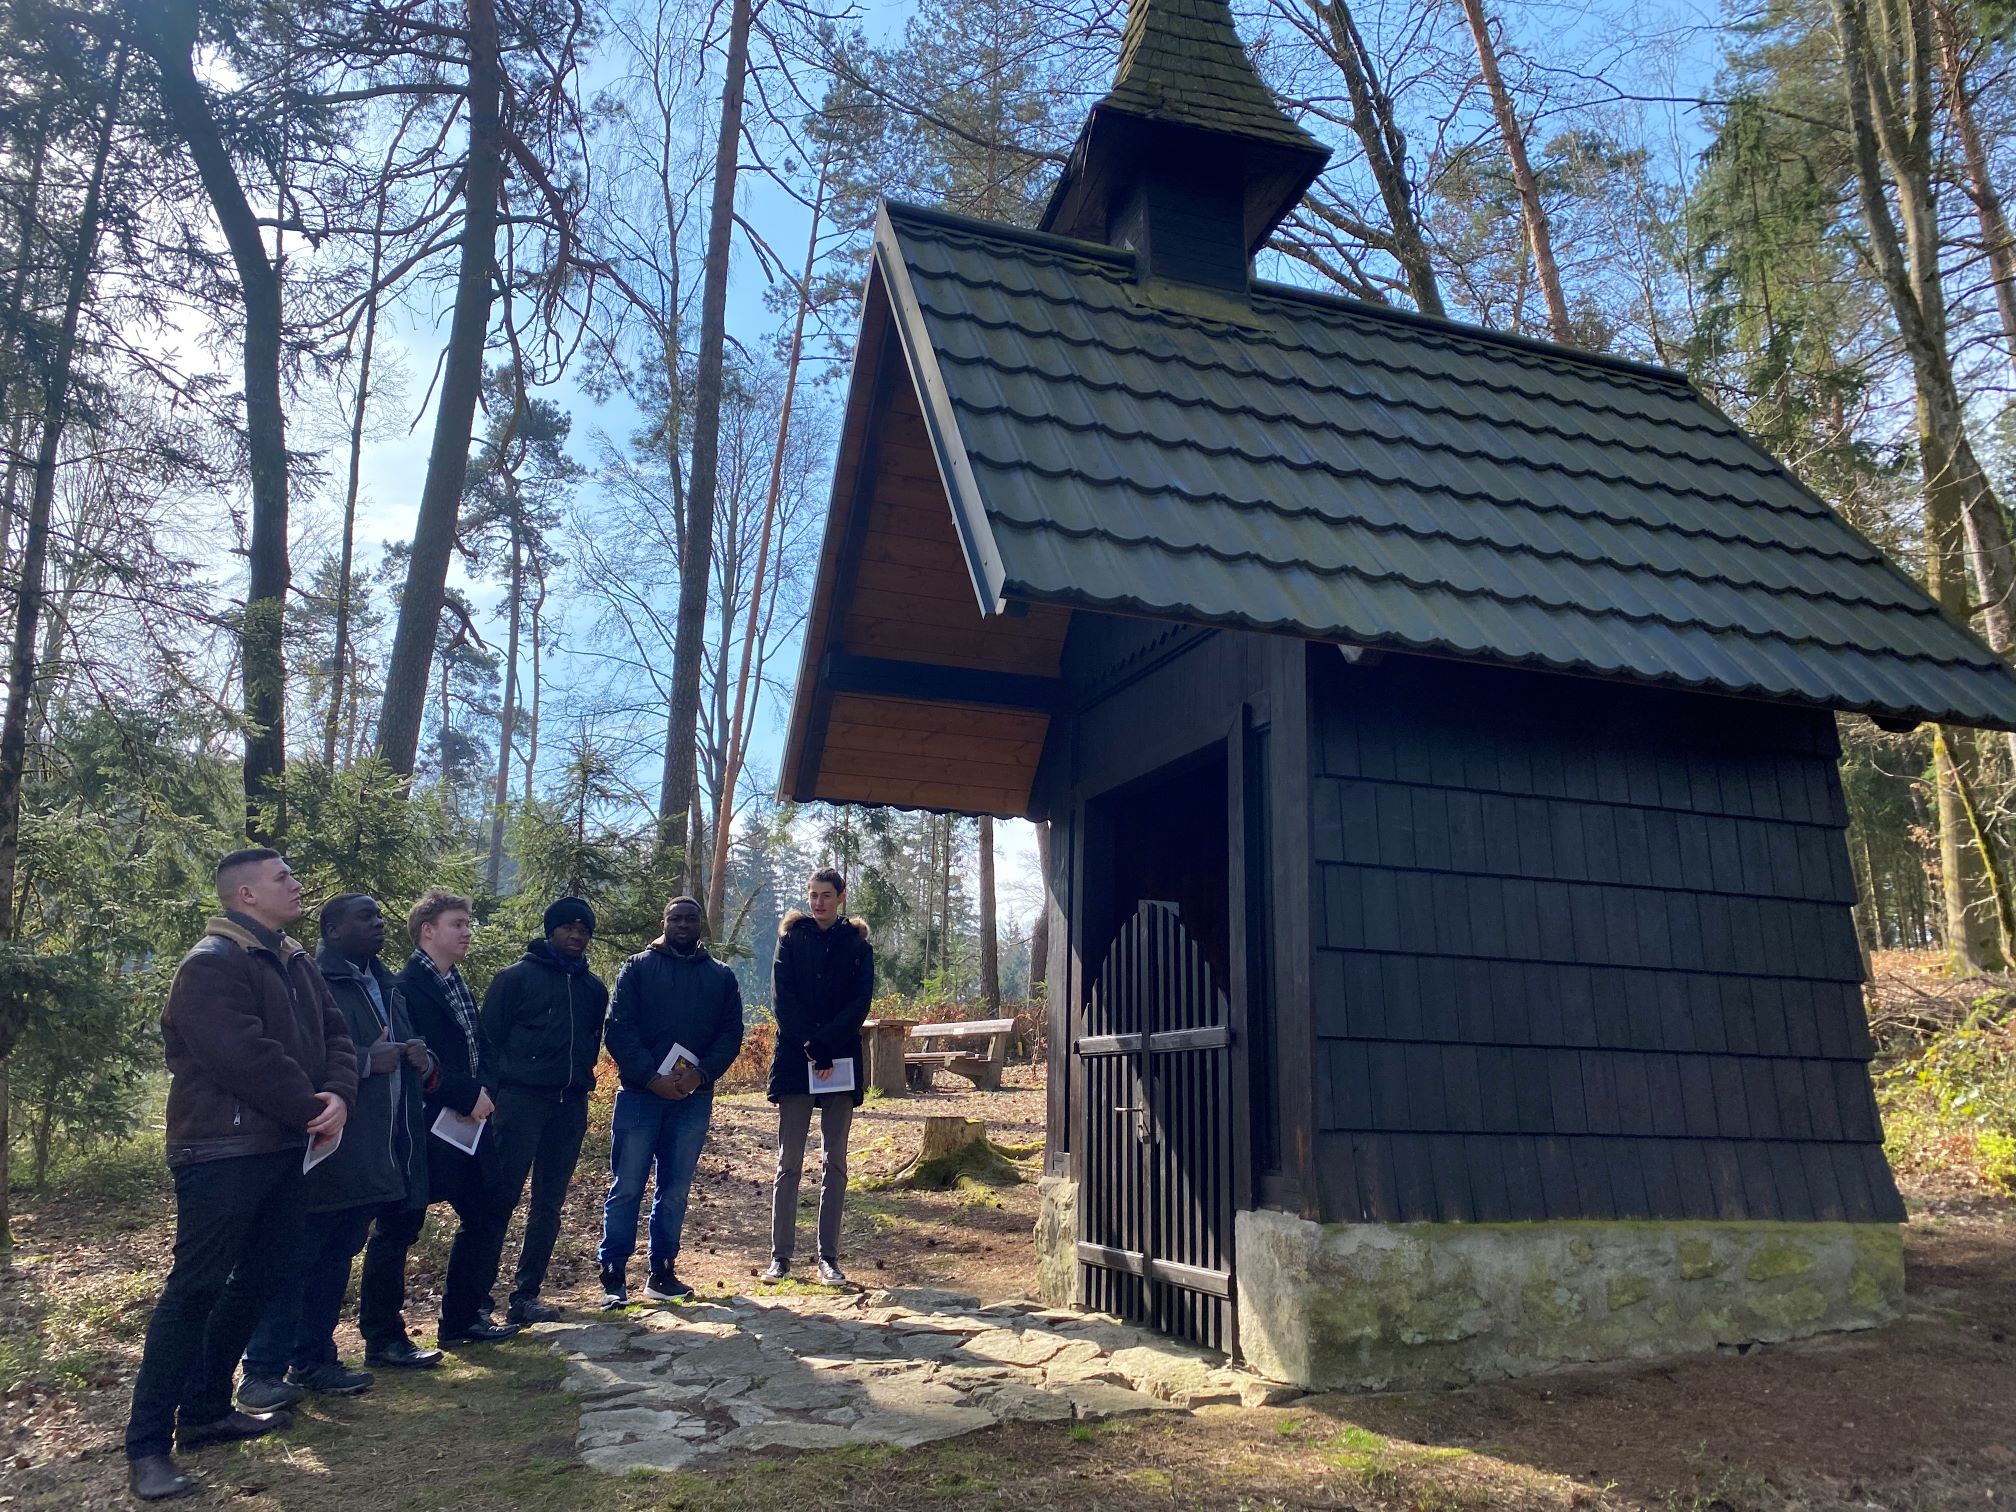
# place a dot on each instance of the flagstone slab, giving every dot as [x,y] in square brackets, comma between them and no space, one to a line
[1029,1347]
[907,1366]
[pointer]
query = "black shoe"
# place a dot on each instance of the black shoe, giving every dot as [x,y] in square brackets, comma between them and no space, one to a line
[664,1286]
[155,1477]
[830,1273]
[267,1394]
[232,1427]
[615,1288]
[532,1310]
[481,1331]
[401,1354]
[776,1270]
[331,1378]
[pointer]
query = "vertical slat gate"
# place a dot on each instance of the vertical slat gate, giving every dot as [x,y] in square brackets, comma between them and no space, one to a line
[1153,1047]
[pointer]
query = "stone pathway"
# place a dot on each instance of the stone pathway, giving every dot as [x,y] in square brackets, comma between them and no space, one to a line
[821,1370]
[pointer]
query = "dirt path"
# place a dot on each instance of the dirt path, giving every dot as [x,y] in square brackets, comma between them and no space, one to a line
[1921,1414]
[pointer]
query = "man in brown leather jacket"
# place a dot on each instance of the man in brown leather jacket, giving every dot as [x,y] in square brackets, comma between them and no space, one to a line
[261,1066]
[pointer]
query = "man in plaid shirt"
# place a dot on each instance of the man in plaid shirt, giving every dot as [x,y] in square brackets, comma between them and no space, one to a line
[444,1014]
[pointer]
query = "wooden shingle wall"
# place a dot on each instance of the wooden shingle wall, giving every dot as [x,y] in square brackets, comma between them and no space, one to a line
[1583,951]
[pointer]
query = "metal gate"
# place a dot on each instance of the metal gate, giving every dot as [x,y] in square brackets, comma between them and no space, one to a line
[1155,1118]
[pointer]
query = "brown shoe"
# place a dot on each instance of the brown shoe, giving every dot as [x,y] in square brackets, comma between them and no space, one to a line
[232,1427]
[155,1477]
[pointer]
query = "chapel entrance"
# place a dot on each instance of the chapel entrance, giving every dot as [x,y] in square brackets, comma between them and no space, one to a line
[1152,1064]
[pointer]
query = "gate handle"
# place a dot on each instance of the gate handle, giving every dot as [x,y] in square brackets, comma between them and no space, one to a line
[1144,1131]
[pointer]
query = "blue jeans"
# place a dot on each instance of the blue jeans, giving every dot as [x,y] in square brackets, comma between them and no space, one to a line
[648,1128]
[298,1327]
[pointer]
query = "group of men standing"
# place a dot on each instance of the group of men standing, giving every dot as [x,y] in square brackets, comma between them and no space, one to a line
[318,1107]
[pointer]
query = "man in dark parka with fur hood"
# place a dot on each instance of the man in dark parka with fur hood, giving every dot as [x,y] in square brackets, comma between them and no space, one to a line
[821,985]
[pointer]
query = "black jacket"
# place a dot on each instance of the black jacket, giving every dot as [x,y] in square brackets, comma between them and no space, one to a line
[820,987]
[544,1024]
[374,1164]
[662,999]
[434,1021]
[455,1086]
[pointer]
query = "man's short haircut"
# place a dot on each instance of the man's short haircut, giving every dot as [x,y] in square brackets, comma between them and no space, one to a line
[686,898]
[336,912]
[433,903]
[830,877]
[230,869]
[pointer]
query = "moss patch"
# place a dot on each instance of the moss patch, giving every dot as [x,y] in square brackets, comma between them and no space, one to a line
[1778,1257]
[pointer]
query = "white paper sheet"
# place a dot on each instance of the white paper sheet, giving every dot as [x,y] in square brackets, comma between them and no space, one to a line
[675,1055]
[315,1154]
[839,1079]
[463,1133]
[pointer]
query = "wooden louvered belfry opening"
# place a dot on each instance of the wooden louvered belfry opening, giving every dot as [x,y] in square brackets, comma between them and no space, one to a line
[1152,1058]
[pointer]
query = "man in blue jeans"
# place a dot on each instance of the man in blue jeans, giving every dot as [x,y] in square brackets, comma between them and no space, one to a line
[672,994]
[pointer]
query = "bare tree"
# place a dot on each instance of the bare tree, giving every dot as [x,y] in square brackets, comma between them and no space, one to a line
[170,32]
[1533,214]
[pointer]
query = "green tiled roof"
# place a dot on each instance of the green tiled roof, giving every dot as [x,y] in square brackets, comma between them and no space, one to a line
[1341,471]
[1181,61]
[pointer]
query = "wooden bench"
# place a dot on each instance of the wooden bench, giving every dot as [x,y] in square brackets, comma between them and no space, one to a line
[976,1051]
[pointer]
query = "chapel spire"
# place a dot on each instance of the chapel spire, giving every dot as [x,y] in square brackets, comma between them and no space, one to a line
[1188,137]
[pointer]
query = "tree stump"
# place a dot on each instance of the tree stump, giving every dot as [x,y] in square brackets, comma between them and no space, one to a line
[947,1135]
[955,1152]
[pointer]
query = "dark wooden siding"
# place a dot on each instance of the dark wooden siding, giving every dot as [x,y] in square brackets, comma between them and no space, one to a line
[1583,951]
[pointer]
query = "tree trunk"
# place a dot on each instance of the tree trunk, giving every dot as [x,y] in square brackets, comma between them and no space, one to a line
[21,668]
[340,668]
[532,712]
[17,296]
[1533,214]
[501,799]
[461,385]
[169,32]
[1377,127]
[697,557]
[1980,181]
[45,1133]
[1890,107]
[742,717]
[945,900]
[1039,933]
[990,944]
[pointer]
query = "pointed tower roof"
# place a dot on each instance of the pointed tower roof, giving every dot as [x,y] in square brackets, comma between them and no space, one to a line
[1184,71]
[1181,61]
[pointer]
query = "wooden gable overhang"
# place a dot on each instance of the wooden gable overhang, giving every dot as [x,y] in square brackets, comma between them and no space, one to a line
[919,686]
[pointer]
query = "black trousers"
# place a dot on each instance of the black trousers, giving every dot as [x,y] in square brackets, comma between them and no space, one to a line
[458,1180]
[539,1137]
[237,1222]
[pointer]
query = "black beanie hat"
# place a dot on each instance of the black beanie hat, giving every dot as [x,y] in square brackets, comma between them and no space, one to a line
[569,911]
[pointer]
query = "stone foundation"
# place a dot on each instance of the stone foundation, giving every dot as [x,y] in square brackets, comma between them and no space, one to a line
[1057,1241]
[1374,1306]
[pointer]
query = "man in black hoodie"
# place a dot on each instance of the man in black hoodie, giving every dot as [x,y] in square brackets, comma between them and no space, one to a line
[821,985]
[380,1163]
[543,1019]
[673,994]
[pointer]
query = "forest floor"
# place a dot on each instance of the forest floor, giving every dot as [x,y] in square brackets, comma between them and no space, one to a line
[1920,1414]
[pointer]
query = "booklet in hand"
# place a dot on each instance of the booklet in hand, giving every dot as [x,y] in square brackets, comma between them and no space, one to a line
[839,1079]
[463,1133]
[317,1151]
[674,1057]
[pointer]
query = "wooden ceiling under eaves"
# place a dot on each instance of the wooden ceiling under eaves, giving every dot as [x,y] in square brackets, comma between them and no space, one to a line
[918,699]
